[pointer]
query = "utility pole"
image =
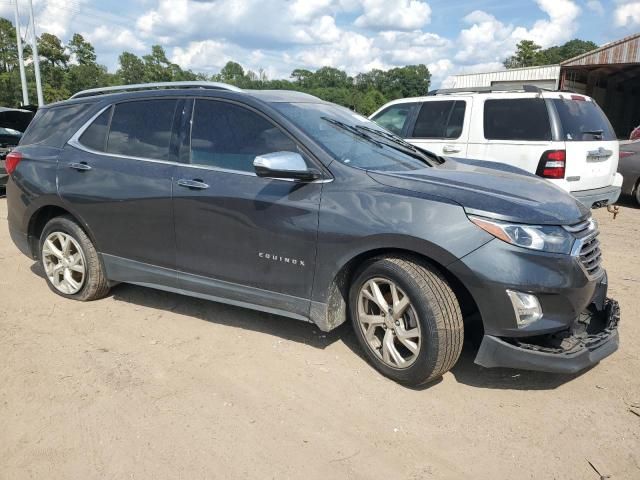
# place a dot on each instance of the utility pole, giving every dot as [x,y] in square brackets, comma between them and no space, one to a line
[23,77]
[36,58]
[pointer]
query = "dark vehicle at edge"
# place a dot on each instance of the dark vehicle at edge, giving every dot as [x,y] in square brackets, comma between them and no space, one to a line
[12,123]
[283,203]
[629,168]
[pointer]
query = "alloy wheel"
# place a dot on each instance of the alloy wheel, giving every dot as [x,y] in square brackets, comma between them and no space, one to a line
[389,322]
[64,262]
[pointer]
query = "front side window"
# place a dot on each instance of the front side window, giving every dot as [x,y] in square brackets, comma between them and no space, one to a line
[517,119]
[394,117]
[228,136]
[440,119]
[352,139]
[142,129]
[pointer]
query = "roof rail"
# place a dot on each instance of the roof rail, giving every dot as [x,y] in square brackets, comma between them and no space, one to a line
[496,88]
[158,85]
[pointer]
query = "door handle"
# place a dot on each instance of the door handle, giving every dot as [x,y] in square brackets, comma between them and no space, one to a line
[80,166]
[450,149]
[193,184]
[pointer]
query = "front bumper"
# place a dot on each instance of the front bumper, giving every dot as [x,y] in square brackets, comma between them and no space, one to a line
[600,197]
[592,337]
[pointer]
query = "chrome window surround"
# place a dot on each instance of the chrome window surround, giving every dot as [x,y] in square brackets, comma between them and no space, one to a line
[74,141]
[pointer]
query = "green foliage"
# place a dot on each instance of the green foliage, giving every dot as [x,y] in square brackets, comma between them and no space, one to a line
[528,54]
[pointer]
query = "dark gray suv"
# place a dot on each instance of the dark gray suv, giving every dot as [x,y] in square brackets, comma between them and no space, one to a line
[281,202]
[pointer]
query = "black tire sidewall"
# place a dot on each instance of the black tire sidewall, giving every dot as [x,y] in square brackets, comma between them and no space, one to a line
[65,225]
[426,361]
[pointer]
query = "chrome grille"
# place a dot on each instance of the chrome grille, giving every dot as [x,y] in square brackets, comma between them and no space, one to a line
[587,247]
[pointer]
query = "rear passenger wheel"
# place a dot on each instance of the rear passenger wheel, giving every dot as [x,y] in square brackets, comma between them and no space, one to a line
[407,319]
[636,194]
[70,261]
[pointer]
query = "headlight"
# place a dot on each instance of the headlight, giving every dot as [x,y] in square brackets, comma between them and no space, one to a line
[545,238]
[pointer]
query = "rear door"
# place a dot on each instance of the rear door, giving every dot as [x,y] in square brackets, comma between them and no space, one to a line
[590,141]
[117,177]
[442,126]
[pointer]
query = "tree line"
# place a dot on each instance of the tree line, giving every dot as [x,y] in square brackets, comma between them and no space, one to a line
[67,68]
[71,67]
[530,54]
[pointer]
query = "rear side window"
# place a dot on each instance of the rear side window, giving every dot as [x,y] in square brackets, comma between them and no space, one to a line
[441,119]
[95,137]
[142,129]
[583,120]
[53,126]
[228,136]
[394,117]
[516,119]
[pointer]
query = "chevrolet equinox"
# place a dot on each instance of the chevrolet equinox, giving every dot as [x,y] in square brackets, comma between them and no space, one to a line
[281,202]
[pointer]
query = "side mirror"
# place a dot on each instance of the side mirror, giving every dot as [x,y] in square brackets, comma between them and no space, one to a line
[284,165]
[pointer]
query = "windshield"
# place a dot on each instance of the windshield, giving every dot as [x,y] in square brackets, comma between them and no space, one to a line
[353,139]
[583,120]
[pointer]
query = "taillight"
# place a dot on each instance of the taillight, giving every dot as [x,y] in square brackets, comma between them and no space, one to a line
[12,161]
[624,154]
[552,164]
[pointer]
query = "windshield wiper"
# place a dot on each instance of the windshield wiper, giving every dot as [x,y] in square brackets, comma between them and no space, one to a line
[401,145]
[595,133]
[353,130]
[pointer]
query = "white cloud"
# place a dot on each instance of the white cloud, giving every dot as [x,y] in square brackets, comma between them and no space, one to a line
[627,14]
[596,7]
[398,15]
[205,56]
[115,38]
[560,27]
[305,10]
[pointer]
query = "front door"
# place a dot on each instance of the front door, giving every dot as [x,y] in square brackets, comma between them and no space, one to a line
[247,239]
[117,177]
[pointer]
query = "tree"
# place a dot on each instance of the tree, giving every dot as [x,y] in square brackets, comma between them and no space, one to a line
[8,47]
[82,50]
[572,48]
[131,69]
[527,55]
[232,73]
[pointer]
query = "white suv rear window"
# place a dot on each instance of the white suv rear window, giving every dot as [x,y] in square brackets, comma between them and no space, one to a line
[583,120]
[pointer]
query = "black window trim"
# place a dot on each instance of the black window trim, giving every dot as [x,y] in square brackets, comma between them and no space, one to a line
[453,106]
[74,141]
[307,154]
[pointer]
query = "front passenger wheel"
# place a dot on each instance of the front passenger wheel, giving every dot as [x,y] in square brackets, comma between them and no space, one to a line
[407,319]
[70,261]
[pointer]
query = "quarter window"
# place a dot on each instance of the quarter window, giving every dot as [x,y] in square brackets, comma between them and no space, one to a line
[517,119]
[394,117]
[228,136]
[95,137]
[440,119]
[142,129]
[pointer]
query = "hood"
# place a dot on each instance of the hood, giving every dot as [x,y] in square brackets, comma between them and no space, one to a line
[491,189]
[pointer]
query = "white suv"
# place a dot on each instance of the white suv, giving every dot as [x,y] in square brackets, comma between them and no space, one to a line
[562,136]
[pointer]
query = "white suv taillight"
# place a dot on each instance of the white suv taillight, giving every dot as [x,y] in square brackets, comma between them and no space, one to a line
[552,164]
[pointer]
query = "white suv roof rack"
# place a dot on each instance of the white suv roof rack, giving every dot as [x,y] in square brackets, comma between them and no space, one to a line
[157,85]
[523,88]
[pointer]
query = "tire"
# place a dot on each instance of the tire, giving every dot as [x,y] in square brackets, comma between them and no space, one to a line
[433,312]
[83,255]
[636,193]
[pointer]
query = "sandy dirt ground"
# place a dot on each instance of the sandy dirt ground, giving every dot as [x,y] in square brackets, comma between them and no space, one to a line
[151,385]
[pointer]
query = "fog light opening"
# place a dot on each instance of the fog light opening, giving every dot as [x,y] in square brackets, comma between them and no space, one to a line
[526,307]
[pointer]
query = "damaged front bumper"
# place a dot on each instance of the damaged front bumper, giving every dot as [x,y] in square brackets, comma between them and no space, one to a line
[592,337]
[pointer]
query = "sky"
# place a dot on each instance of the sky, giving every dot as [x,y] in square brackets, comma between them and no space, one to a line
[279,36]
